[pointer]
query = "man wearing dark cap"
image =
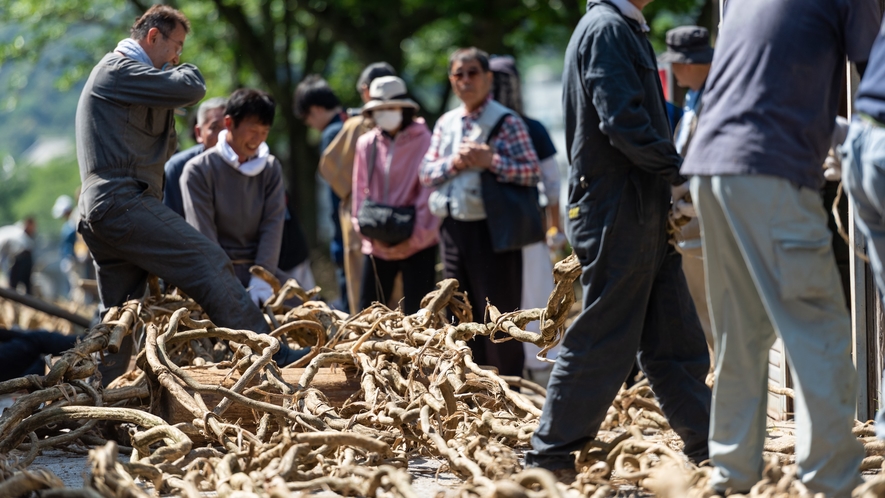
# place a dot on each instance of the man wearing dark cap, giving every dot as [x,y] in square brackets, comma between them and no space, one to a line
[689,54]
[622,167]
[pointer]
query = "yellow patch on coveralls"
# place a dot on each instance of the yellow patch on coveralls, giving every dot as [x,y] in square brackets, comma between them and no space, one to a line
[574,212]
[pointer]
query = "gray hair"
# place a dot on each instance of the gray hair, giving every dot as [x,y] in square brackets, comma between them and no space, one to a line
[205,107]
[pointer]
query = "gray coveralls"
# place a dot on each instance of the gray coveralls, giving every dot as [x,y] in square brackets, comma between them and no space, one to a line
[125,134]
[635,295]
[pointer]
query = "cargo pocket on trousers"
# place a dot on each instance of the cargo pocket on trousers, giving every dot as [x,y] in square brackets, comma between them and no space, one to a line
[585,229]
[115,226]
[801,267]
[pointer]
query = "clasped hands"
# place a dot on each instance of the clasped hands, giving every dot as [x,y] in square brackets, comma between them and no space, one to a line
[473,155]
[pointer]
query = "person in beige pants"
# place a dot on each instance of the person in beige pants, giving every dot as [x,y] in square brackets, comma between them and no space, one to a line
[689,54]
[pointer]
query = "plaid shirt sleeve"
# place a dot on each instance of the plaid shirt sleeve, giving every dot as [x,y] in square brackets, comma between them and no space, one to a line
[435,170]
[515,159]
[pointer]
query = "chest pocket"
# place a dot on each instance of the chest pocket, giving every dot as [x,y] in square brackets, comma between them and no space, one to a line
[150,121]
[643,62]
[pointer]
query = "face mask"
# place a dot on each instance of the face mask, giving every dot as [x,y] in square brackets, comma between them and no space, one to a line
[388,119]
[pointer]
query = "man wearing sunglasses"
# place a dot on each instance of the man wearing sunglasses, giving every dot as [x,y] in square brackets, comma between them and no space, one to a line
[125,133]
[481,135]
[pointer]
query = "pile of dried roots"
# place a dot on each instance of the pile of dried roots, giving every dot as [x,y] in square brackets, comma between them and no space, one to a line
[418,393]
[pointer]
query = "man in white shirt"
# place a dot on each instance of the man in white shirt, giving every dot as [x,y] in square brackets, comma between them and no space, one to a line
[16,244]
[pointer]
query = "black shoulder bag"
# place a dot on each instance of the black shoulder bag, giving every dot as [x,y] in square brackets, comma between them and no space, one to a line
[388,224]
[513,212]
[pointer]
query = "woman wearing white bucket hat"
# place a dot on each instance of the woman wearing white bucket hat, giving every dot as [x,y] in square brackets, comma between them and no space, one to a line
[390,211]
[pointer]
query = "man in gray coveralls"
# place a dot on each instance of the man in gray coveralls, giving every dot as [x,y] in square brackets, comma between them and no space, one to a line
[125,134]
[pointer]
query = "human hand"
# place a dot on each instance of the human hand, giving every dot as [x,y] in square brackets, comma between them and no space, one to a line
[259,290]
[833,166]
[459,161]
[555,239]
[679,191]
[399,251]
[684,209]
[479,155]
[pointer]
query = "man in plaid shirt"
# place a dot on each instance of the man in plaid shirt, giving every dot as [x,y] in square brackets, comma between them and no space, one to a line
[516,162]
[479,135]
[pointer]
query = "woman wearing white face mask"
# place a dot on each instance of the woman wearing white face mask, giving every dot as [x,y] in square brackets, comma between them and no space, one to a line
[385,181]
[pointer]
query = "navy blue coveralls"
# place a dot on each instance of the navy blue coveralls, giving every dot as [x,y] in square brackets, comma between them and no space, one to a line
[636,301]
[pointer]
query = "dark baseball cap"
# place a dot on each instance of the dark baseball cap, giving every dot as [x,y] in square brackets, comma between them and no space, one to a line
[688,45]
[504,64]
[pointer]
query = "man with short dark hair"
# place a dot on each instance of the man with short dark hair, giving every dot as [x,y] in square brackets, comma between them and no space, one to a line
[241,168]
[317,105]
[125,134]
[636,302]
[210,122]
[480,135]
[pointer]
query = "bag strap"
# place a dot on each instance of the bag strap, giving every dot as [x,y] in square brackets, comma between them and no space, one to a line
[495,129]
[371,164]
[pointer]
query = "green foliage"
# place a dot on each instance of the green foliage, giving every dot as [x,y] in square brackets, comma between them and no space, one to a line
[36,108]
[32,190]
[273,44]
[663,16]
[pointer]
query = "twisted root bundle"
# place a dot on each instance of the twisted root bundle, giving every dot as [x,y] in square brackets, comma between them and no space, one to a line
[259,431]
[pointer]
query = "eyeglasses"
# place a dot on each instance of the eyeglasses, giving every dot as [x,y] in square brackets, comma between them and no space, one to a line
[180,44]
[469,74]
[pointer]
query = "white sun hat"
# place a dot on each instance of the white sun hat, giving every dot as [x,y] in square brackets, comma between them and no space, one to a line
[388,92]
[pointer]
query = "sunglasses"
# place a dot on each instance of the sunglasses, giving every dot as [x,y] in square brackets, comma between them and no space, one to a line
[469,74]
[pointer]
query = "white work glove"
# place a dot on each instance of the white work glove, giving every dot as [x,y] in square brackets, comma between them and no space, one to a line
[833,166]
[684,208]
[680,191]
[259,290]
[833,162]
[555,240]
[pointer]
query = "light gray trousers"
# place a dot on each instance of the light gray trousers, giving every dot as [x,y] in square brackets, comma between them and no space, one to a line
[771,273]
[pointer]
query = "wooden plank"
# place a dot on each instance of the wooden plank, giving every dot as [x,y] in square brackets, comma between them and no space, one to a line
[41,305]
[859,285]
[334,384]
[778,376]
